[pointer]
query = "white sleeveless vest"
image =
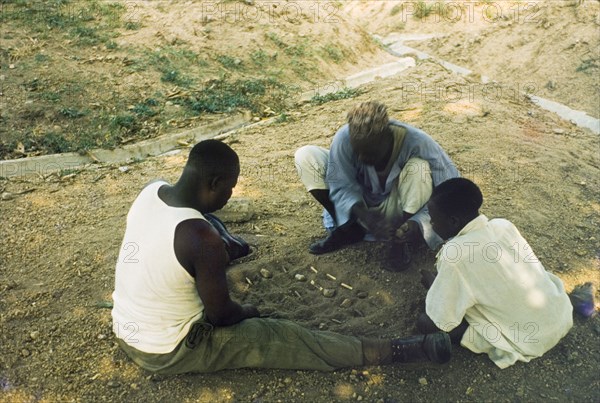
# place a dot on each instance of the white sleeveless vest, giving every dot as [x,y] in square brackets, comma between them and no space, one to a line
[155,298]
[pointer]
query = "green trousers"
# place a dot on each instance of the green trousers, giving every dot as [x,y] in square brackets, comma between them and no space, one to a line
[259,343]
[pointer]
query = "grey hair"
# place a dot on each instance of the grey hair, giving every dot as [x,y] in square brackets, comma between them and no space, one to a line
[367,121]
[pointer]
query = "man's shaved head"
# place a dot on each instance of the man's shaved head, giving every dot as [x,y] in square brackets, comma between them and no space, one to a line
[212,158]
[458,197]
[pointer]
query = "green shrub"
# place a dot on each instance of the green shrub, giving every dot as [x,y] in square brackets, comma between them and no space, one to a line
[144,110]
[334,96]
[229,62]
[225,96]
[125,121]
[132,25]
[55,143]
[259,57]
[333,52]
[72,113]
[422,10]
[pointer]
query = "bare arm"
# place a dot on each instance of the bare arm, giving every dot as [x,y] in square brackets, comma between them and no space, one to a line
[199,247]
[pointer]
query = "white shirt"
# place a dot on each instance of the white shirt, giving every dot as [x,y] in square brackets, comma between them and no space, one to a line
[489,275]
[155,298]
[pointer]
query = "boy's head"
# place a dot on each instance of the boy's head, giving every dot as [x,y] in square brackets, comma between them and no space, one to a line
[452,205]
[369,136]
[211,172]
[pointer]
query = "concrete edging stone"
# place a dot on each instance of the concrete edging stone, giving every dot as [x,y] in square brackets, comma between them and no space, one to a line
[46,164]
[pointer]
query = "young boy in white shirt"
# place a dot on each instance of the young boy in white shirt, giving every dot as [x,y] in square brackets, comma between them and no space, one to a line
[491,293]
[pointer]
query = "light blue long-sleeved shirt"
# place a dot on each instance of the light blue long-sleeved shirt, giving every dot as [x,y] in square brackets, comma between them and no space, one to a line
[351,181]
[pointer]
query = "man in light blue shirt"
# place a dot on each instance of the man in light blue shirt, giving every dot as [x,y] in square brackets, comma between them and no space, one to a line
[376,179]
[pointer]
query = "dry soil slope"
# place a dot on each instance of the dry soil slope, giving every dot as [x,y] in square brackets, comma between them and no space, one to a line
[548,48]
[125,73]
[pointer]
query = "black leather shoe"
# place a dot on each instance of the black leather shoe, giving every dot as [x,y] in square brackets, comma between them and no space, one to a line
[236,246]
[435,347]
[438,347]
[337,239]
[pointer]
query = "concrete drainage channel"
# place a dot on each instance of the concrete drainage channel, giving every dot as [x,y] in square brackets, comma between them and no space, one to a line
[395,45]
[46,164]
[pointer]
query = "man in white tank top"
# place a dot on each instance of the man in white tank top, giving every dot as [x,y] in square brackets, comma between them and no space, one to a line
[172,309]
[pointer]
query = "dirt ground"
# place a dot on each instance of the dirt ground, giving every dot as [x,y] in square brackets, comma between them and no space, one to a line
[61,236]
[60,243]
